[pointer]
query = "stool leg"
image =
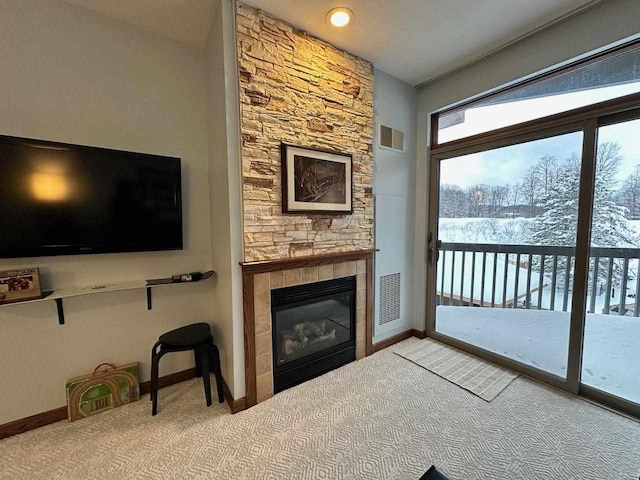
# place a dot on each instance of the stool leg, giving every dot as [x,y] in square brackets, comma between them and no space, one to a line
[154,383]
[215,361]
[153,355]
[204,361]
[198,364]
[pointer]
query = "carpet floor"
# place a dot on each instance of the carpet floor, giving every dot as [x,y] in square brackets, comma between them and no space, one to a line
[380,418]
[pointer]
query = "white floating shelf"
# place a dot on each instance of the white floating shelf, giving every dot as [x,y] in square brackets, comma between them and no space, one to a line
[59,295]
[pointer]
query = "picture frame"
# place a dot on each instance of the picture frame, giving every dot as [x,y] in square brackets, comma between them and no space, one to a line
[19,285]
[316,181]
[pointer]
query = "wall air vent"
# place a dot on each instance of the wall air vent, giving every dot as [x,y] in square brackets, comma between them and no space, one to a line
[389,298]
[391,138]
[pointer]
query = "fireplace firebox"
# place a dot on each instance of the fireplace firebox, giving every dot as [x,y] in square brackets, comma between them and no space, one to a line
[313,330]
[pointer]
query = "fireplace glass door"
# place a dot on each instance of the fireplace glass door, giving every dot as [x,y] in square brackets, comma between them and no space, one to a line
[313,330]
[308,328]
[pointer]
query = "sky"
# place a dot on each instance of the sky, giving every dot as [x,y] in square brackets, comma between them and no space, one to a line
[508,164]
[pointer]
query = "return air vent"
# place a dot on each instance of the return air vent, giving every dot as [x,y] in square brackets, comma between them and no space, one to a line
[389,298]
[391,138]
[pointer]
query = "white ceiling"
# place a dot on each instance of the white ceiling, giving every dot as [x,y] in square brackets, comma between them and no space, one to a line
[415,40]
[186,21]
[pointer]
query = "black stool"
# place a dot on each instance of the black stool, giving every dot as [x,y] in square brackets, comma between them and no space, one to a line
[196,337]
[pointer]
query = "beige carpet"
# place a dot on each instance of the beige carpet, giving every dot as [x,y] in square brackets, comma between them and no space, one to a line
[474,374]
[379,418]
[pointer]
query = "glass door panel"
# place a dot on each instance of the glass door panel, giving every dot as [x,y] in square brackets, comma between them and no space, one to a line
[506,243]
[611,355]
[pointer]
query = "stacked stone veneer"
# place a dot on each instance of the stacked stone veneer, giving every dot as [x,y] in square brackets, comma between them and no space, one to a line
[300,90]
[263,283]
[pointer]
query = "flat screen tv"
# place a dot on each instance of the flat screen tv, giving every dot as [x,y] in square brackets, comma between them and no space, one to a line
[59,199]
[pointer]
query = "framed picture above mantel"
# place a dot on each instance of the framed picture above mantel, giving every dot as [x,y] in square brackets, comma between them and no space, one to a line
[316,181]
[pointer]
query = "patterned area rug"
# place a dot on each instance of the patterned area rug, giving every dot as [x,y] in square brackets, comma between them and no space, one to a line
[381,418]
[478,376]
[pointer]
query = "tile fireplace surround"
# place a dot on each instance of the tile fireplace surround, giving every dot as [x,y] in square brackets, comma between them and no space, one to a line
[259,278]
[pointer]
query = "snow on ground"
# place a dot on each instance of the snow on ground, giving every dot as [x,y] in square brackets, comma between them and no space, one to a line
[492,230]
[540,339]
[485,230]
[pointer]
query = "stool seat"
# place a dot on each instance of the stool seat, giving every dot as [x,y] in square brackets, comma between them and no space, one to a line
[186,336]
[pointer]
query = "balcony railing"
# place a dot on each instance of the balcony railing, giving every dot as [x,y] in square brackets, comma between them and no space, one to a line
[536,277]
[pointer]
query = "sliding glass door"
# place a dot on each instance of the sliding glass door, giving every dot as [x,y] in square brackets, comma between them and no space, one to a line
[534,250]
[611,359]
[507,222]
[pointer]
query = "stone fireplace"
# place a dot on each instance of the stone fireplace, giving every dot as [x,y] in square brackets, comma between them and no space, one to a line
[302,91]
[303,317]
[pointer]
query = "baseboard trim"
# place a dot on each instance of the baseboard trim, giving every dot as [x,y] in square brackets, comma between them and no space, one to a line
[398,338]
[235,405]
[30,423]
[178,377]
[168,380]
[58,414]
[419,333]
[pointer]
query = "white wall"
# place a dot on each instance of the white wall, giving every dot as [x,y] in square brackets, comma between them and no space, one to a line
[73,76]
[226,195]
[394,188]
[608,22]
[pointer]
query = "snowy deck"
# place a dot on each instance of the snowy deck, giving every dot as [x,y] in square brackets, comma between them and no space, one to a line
[540,339]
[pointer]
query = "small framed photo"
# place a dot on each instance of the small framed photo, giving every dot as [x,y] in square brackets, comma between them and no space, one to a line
[316,181]
[19,285]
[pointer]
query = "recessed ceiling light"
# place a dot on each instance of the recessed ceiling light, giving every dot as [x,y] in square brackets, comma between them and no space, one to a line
[339,16]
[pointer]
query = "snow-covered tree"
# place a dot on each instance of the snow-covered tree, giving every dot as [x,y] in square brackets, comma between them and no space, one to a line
[558,224]
[629,194]
[610,227]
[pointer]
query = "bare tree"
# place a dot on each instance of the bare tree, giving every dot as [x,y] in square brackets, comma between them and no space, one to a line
[529,188]
[497,199]
[513,195]
[477,200]
[547,170]
[453,201]
[608,159]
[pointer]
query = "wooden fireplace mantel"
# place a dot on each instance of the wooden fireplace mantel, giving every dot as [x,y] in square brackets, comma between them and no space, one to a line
[253,270]
[263,266]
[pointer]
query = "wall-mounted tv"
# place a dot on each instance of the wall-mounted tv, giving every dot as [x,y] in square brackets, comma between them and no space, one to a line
[59,199]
